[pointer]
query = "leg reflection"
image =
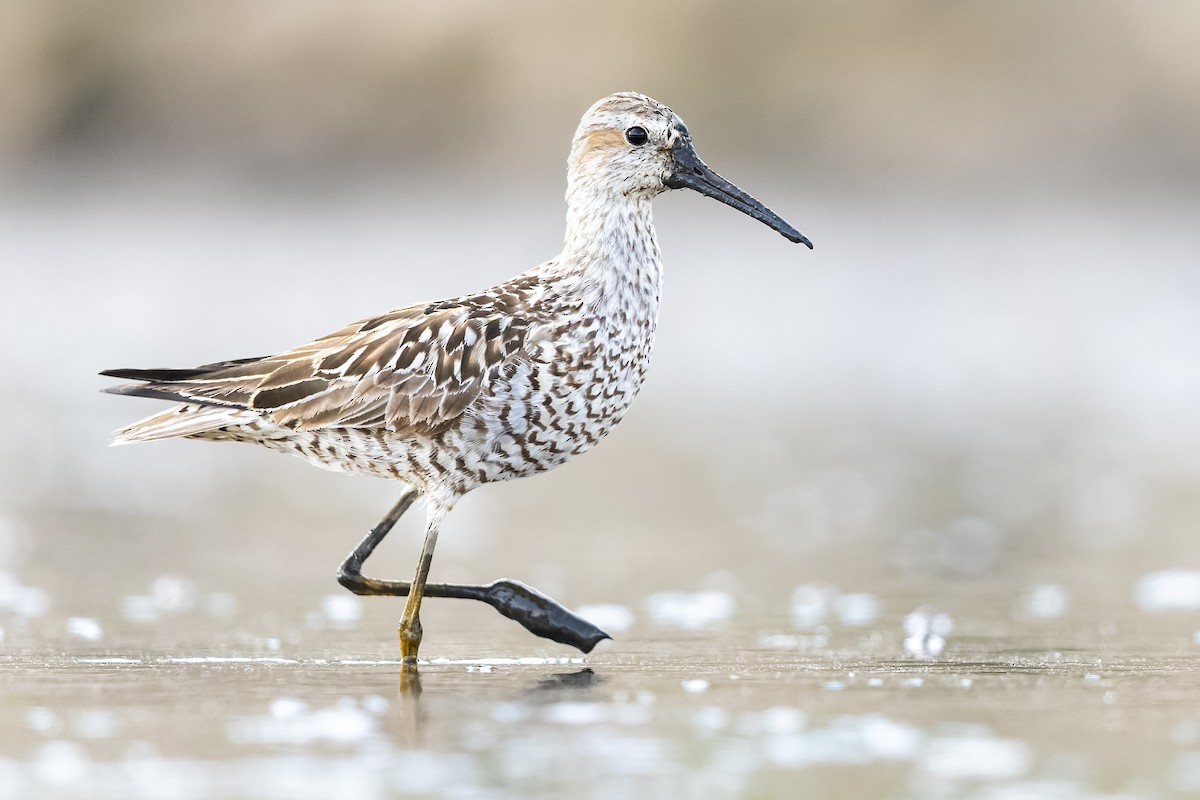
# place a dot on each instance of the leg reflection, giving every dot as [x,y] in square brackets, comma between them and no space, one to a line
[409,706]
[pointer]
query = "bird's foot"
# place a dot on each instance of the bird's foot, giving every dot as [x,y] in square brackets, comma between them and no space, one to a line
[543,616]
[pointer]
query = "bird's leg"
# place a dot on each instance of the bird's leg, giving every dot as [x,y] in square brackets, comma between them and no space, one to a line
[410,621]
[350,573]
[541,615]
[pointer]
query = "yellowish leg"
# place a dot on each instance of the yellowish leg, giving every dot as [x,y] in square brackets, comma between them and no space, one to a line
[410,692]
[410,622]
[539,614]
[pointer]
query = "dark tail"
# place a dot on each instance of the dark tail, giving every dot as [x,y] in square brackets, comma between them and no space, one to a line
[175,375]
[158,381]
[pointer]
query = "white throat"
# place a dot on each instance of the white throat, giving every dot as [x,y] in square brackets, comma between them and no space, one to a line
[611,248]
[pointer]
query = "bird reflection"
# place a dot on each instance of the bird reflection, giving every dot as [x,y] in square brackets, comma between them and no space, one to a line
[544,689]
[566,682]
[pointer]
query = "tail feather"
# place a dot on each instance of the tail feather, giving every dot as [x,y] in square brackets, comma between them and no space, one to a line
[183,420]
[196,416]
[161,391]
[173,375]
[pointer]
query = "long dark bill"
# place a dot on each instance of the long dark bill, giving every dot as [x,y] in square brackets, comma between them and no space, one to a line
[692,173]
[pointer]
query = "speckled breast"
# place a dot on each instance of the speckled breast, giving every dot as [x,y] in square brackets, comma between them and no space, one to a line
[575,386]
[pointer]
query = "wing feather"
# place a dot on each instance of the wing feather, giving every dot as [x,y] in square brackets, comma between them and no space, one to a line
[415,368]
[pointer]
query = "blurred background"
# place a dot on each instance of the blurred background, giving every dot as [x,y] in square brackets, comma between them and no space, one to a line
[982,383]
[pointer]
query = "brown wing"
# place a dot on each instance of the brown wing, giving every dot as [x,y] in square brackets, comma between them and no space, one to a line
[418,367]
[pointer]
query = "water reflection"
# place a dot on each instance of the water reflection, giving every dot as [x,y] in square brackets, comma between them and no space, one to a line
[567,683]
[656,726]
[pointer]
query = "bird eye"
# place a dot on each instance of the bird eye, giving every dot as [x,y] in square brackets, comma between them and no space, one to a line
[637,136]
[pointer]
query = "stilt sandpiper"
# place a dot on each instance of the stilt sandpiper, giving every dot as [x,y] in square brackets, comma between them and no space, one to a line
[511,381]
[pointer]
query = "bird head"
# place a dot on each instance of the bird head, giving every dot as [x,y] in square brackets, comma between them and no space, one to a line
[632,145]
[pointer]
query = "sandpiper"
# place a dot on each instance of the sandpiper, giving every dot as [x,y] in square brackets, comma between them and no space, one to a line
[511,381]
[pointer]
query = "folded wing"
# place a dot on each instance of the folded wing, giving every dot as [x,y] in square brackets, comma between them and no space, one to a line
[415,368]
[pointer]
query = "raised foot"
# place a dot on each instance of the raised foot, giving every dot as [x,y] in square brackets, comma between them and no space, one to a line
[542,615]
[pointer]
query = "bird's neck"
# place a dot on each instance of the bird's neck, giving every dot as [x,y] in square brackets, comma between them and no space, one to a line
[610,251]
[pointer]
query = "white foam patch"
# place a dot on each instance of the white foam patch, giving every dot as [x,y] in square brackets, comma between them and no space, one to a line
[85,628]
[583,713]
[61,764]
[710,719]
[774,721]
[341,610]
[1168,590]
[42,719]
[928,646]
[294,724]
[690,610]
[95,724]
[507,713]
[1045,601]
[286,707]
[607,616]
[846,740]
[810,605]
[575,713]
[925,632]
[22,600]
[173,594]
[976,759]
[856,609]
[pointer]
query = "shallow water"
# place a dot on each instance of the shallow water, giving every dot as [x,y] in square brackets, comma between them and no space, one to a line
[951,552]
[747,706]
